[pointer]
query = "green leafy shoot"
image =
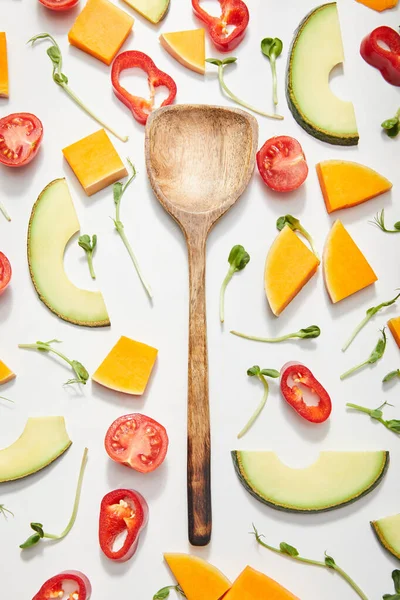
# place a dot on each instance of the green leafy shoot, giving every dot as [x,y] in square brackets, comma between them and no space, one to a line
[165,592]
[328,562]
[261,374]
[238,259]
[81,375]
[54,53]
[39,532]
[392,375]
[272,48]
[313,331]
[392,126]
[295,225]
[89,245]
[368,315]
[377,414]
[119,190]
[4,212]
[221,64]
[396,582]
[4,511]
[379,221]
[375,355]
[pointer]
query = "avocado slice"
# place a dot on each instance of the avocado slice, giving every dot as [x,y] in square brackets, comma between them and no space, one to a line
[334,480]
[43,440]
[387,531]
[53,222]
[152,10]
[316,49]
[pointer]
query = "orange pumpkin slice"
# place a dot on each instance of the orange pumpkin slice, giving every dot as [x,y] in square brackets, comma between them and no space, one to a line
[394,326]
[197,578]
[379,5]
[345,184]
[288,267]
[346,270]
[5,373]
[253,585]
[187,47]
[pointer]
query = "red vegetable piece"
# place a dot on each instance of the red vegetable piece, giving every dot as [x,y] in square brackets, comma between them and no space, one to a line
[59,5]
[282,164]
[387,61]
[140,107]
[5,272]
[20,138]
[234,12]
[122,512]
[67,582]
[293,395]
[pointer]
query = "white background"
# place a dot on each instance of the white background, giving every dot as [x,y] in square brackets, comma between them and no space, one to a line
[48,495]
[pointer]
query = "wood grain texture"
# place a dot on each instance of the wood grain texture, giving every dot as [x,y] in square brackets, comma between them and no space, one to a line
[199,161]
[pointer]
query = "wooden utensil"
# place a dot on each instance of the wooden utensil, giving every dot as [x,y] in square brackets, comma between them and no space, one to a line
[199,161]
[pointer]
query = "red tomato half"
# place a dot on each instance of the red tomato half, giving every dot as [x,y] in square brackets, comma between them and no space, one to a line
[5,272]
[282,164]
[137,442]
[59,4]
[20,138]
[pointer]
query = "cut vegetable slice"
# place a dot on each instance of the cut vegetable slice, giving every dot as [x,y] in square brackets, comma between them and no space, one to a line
[345,184]
[388,533]
[379,5]
[3,66]
[394,326]
[187,47]
[346,270]
[334,480]
[5,373]
[53,222]
[197,578]
[253,585]
[42,441]
[310,98]
[288,267]
[152,10]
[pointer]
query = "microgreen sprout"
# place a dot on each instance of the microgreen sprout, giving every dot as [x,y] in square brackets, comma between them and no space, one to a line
[396,582]
[313,331]
[392,375]
[295,225]
[392,126]
[81,374]
[4,211]
[118,190]
[89,245]
[165,592]
[375,355]
[238,259]
[261,374]
[272,48]
[38,527]
[379,221]
[4,511]
[221,64]
[377,414]
[54,53]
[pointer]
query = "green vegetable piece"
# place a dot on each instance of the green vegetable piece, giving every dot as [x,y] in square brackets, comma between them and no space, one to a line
[375,355]
[119,190]
[377,414]
[55,56]
[391,375]
[288,549]
[379,221]
[392,126]
[4,511]
[295,225]
[165,591]
[329,561]
[238,259]
[221,64]
[89,245]
[313,331]
[396,582]
[272,48]
[261,374]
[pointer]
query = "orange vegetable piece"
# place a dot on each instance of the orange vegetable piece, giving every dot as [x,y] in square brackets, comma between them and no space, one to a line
[198,579]
[346,270]
[101,29]
[345,184]
[3,66]
[5,373]
[394,326]
[253,585]
[379,4]
[288,267]
[127,368]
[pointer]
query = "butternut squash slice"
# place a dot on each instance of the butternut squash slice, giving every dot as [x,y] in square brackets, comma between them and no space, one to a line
[379,5]
[345,183]
[394,326]
[3,66]
[5,373]
[187,47]
[346,270]
[288,267]
[253,585]
[197,578]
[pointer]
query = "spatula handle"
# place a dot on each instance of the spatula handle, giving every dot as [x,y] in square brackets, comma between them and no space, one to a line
[198,464]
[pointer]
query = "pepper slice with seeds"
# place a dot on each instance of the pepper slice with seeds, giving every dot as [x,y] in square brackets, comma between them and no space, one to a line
[68,585]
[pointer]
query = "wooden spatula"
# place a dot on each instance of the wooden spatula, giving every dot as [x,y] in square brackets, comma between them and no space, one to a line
[199,161]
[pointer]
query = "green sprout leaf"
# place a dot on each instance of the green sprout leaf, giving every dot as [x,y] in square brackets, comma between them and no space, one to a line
[392,126]
[165,592]
[329,561]
[377,415]
[255,371]
[288,549]
[391,375]
[313,331]
[295,225]
[81,373]
[379,221]
[238,259]
[88,246]
[272,48]
[375,355]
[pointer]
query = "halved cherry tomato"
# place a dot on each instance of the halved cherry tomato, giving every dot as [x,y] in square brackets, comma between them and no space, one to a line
[59,4]
[294,373]
[282,164]
[20,138]
[73,583]
[5,272]
[138,442]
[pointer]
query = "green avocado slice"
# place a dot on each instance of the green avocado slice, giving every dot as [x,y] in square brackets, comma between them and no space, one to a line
[334,480]
[387,531]
[42,441]
[152,10]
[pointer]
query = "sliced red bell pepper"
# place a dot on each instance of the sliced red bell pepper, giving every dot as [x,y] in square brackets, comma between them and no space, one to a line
[387,61]
[234,12]
[140,107]
[122,511]
[298,373]
[73,583]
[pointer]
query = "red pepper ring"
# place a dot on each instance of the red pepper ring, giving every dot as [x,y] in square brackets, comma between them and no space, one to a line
[387,61]
[234,12]
[293,395]
[63,583]
[122,511]
[140,107]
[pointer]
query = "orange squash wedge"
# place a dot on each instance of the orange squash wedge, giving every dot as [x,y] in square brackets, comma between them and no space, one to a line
[187,47]
[346,270]
[379,5]
[288,267]
[253,585]
[3,66]
[345,184]
[5,373]
[197,578]
[394,326]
